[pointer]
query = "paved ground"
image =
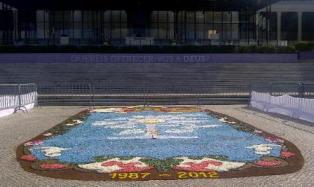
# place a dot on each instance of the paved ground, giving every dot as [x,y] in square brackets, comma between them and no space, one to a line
[21,127]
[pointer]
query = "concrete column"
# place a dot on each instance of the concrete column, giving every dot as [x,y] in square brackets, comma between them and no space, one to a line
[278,26]
[300,26]
[257,27]
[235,19]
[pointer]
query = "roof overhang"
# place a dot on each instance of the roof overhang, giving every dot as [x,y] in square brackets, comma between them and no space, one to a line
[227,5]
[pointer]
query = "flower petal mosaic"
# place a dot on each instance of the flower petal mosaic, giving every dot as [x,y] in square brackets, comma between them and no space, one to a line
[145,143]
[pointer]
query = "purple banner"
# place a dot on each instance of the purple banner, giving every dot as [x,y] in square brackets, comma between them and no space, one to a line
[306,55]
[145,58]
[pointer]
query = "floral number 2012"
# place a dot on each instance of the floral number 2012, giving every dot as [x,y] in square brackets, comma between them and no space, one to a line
[187,175]
[124,176]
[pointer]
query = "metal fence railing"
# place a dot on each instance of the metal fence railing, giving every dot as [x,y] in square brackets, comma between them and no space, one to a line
[63,93]
[294,107]
[289,99]
[302,90]
[141,93]
[92,93]
[17,96]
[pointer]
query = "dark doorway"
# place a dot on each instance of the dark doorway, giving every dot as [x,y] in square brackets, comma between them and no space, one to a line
[138,20]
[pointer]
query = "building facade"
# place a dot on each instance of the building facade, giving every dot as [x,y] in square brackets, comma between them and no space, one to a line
[291,21]
[143,22]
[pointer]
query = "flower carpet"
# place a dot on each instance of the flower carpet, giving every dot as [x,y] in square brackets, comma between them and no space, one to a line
[164,143]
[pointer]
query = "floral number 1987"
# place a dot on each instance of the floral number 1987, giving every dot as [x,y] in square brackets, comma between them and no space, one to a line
[124,176]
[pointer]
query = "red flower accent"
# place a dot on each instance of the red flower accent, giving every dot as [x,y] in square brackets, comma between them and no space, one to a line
[268,163]
[287,154]
[34,142]
[274,139]
[190,166]
[29,158]
[128,110]
[165,110]
[52,166]
[126,167]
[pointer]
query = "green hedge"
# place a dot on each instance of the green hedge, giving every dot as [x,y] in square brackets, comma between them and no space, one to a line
[304,46]
[266,49]
[145,49]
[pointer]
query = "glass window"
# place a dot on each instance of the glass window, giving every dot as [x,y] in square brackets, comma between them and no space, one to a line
[162,25]
[289,26]
[115,25]
[308,26]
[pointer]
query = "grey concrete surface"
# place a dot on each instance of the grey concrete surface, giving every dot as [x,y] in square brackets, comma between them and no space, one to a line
[20,127]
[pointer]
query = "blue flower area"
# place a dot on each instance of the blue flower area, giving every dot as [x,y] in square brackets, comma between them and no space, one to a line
[156,135]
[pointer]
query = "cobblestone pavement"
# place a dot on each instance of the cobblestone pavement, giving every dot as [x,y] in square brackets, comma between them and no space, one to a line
[20,127]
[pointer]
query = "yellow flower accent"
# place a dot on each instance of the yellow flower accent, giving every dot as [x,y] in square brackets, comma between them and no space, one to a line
[151,121]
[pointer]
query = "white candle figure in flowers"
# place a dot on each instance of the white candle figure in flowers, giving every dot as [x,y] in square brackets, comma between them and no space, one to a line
[151,129]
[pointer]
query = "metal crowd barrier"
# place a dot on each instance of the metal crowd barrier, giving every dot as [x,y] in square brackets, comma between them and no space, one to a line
[99,93]
[141,93]
[300,89]
[17,96]
[295,100]
[294,107]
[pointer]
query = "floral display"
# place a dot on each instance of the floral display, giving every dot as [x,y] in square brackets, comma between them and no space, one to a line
[143,143]
[47,134]
[207,164]
[30,158]
[268,163]
[51,151]
[33,143]
[117,165]
[287,154]
[263,149]
[52,166]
